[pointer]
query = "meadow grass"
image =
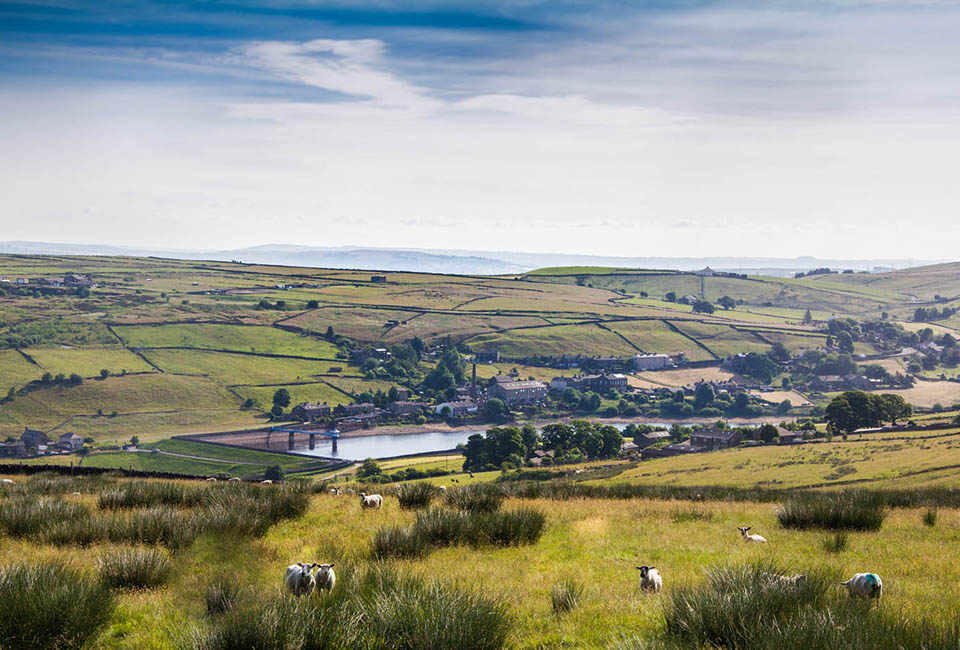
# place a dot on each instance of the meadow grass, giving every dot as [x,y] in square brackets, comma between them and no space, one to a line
[416,495]
[139,568]
[566,595]
[846,510]
[837,542]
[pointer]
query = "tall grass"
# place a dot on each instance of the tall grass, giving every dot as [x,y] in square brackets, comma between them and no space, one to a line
[377,610]
[741,607]
[414,496]
[479,497]
[221,596]
[566,596]
[50,606]
[846,510]
[398,542]
[140,568]
[930,517]
[837,542]
[28,516]
[144,494]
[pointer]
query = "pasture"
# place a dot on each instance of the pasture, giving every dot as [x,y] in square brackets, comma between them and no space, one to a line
[597,542]
[217,336]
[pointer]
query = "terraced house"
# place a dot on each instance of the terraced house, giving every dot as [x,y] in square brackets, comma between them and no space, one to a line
[514,392]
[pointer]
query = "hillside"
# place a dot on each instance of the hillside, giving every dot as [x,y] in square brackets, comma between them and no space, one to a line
[187,343]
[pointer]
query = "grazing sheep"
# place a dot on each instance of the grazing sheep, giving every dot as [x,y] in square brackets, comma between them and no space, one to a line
[211,480]
[234,480]
[266,482]
[76,494]
[865,585]
[325,577]
[442,487]
[299,579]
[650,579]
[6,481]
[371,500]
[786,581]
[335,491]
[750,538]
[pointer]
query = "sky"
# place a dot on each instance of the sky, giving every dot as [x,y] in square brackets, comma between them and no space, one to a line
[644,128]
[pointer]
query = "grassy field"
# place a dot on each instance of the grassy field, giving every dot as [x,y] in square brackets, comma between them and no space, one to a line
[214,336]
[16,371]
[656,336]
[554,341]
[315,392]
[596,541]
[686,376]
[88,362]
[232,369]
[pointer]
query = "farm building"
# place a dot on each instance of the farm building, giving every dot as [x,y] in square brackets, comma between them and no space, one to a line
[715,439]
[515,392]
[651,361]
[306,412]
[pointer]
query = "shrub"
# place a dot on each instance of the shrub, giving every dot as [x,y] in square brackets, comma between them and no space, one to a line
[50,606]
[836,543]
[159,525]
[28,516]
[398,542]
[144,494]
[414,496]
[440,527]
[221,596]
[141,568]
[566,595]
[930,517]
[479,497]
[847,510]
[521,526]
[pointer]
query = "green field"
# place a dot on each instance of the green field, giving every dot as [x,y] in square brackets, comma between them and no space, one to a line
[316,392]
[655,336]
[88,362]
[15,370]
[214,336]
[557,340]
[235,369]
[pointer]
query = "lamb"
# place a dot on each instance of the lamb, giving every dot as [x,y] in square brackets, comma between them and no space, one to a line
[750,538]
[325,577]
[299,578]
[865,585]
[371,500]
[650,579]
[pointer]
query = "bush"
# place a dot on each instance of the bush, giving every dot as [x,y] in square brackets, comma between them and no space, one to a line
[27,516]
[50,606]
[837,543]
[141,568]
[479,497]
[143,494]
[221,597]
[414,496]
[378,610]
[930,517]
[566,595]
[398,542]
[847,510]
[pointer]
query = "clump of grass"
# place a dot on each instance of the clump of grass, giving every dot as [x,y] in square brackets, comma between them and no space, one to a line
[141,568]
[479,497]
[221,597]
[398,542]
[29,516]
[847,510]
[566,596]
[930,517]
[159,525]
[513,527]
[51,606]
[144,494]
[415,496]
[682,515]
[378,610]
[440,527]
[836,543]
[81,531]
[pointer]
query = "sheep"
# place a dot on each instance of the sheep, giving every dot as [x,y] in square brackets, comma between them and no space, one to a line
[370,500]
[650,579]
[299,578]
[325,577]
[865,585]
[442,487]
[6,481]
[750,538]
[76,494]
[211,479]
[266,482]
[335,491]
[233,480]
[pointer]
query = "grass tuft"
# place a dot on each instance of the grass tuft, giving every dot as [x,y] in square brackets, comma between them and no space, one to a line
[566,596]
[415,496]
[846,510]
[479,497]
[221,597]
[836,543]
[930,517]
[140,568]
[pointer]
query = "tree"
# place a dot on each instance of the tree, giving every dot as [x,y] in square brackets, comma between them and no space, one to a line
[741,401]
[845,342]
[768,433]
[104,373]
[312,304]
[703,307]
[281,398]
[784,407]
[276,410]
[369,468]
[329,335]
[727,302]
[893,408]
[273,473]
[807,318]
[495,408]
[671,296]
[418,345]
[75,379]
[703,395]
[779,352]
[445,411]
[134,440]
[854,410]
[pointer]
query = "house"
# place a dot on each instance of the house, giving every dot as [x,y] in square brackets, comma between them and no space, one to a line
[515,392]
[403,407]
[459,408]
[4,280]
[75,280]
[305,412]
[629,447]
[608,382]
[670,450]
[688,299]
[540,456]
[378,278]
[54,282]
[651,437]
[34,439]
[569,361]
[790,437]
[402,393]
[650,361]
[14,449]
[705,272]
[711,439]
[561,383]
[355,409]
[23,280]
[606,362]
[71,442]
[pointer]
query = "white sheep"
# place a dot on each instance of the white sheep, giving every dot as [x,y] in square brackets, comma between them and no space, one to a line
[76,494]
[211,480]
[299,579]
[266,482]
[442,487]
[335,491]
[325,577]
[233,480]
[370,500]
[650,579]
[750,538]
[6,481]
[865,585]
